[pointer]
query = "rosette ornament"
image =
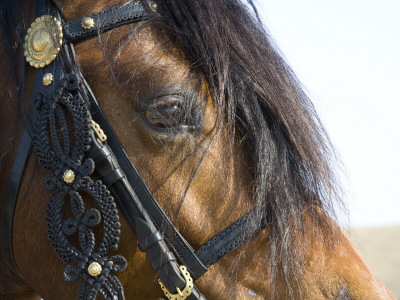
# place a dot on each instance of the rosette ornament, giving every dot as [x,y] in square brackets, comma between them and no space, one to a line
[43,41]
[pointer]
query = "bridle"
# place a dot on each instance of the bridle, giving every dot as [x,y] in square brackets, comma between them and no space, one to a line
[60,93]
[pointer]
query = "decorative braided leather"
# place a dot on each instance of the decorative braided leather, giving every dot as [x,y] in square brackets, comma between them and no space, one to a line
[60,154]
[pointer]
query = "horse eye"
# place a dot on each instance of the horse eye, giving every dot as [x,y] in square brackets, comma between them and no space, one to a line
[166,116]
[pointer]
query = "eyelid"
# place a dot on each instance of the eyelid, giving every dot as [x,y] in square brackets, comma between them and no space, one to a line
[162,100]
[168,100]
[169,115]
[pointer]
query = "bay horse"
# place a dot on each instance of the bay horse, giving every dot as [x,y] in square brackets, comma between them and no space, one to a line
[217,125]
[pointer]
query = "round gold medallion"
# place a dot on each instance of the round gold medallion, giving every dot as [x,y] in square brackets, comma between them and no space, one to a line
[43,41]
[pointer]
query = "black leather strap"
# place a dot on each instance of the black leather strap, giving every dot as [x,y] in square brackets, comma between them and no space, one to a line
[174,239]
[105,20]
[10,200]
[229,239]
[150,240]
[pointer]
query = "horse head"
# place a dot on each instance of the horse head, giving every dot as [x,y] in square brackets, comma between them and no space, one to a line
[222,135]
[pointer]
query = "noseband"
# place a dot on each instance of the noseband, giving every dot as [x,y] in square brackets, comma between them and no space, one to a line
[89,146]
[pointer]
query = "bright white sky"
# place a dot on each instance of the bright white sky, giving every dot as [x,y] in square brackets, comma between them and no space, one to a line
[347,55]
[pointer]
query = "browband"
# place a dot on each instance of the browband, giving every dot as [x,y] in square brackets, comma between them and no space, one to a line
[155,232]
[104,21]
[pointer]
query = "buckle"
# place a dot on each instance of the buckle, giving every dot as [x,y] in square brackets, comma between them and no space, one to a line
[98,131]
[181,295]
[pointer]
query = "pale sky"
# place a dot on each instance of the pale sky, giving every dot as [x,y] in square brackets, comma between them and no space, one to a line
[347,55]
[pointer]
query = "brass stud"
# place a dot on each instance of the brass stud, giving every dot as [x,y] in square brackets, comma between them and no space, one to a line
[47,79]
[87,23]
[153,6]
[94,269]
[69,176]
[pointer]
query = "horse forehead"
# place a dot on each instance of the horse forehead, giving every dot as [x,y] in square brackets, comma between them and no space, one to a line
[133,49]
[146,59]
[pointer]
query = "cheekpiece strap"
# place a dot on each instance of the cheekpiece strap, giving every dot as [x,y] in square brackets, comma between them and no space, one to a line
[106,20]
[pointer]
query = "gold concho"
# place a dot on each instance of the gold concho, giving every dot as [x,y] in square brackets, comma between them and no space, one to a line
[43,41]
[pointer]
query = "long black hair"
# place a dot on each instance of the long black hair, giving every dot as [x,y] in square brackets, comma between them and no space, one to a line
[256,92]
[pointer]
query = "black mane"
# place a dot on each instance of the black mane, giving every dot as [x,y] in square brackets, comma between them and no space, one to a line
[258,94]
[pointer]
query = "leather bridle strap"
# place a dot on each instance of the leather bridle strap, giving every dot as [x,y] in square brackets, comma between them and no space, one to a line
[10,200]
[230,238]
[105,21]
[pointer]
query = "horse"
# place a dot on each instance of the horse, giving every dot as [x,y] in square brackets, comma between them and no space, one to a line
[217,125]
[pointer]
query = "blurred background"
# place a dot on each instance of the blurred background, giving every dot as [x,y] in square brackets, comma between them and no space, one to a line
[347,56]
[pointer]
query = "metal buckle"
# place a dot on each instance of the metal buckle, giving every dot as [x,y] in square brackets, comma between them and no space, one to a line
[98,131]
[181,295]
